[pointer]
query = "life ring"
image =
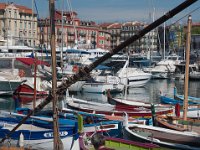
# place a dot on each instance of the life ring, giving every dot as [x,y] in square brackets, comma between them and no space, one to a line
[21,73]
[75,68]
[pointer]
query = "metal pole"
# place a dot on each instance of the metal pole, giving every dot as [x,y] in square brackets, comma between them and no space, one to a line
[188,41]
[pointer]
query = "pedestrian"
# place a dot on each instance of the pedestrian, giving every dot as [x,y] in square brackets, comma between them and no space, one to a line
[98,142]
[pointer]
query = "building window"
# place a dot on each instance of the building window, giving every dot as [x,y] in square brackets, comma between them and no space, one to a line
[25,24]
[15,24]
[29,24]
[20,24]
[33,25]
[20,34]
[10,14]
[15,15]
[9,24]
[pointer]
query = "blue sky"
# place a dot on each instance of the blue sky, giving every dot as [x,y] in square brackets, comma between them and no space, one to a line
[115,10]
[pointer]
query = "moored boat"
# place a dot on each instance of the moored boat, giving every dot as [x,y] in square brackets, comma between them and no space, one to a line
[108,109]
[162,136]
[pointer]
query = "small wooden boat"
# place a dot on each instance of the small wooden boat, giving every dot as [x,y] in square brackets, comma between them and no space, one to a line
[24,99]
[108,109]
[130,103]
[108,117]
[25,89]
[91,122]
[162,136]
[176,123]
[181,97]
[169,122]
[168,100]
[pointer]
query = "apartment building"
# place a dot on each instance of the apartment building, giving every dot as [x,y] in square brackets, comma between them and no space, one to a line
[18,23]
[147,42]
[71,31]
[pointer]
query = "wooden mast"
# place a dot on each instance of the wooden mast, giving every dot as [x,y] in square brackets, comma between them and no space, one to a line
[57,140]
[85,71]
[188,41]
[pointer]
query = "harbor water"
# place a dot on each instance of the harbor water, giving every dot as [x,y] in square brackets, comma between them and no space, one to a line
[149,93]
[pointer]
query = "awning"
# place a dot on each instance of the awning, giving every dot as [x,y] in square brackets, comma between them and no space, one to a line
[31,61]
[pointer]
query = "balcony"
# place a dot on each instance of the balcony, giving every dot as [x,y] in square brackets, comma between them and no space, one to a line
[82,34]
[70,33]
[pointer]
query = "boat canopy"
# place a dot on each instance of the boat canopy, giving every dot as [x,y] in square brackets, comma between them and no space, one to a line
[77,51]
[31,61]
[102,67]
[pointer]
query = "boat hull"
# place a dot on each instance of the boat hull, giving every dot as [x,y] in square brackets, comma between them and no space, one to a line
[25,89]
[162,136]
[8,87]
[39,138]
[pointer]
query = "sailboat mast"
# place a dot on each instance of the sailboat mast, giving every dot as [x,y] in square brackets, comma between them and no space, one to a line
[54,77]
[188,41]
[164,41]
[61,58]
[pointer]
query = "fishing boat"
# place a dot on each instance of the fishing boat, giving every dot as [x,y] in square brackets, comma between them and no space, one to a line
[131,102]
[176,123]
[36,137]
[181,97]
[90,122]
[108,109]
[168,100]
[162,136]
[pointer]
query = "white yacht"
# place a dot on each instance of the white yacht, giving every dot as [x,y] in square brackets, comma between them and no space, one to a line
[133,77]
[7,49]
[165,68]
[10,77]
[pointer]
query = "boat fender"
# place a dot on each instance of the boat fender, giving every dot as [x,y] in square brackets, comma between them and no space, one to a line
[21,140]
[75,68]
[125,119]
[21,73]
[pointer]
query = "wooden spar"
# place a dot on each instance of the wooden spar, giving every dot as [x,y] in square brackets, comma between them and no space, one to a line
[188,41]
[85,71]
[57,141]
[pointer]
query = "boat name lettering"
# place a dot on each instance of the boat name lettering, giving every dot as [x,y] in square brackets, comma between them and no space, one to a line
[50,134]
